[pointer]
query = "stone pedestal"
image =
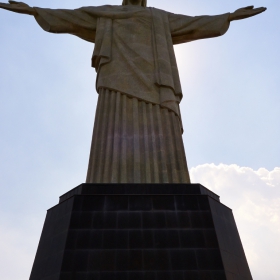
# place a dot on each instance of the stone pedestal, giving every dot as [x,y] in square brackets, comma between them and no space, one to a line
[140,232]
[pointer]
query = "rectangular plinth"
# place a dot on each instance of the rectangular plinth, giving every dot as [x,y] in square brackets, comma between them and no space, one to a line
[157,232]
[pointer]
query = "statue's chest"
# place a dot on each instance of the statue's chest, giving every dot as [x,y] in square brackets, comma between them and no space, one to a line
[134,31]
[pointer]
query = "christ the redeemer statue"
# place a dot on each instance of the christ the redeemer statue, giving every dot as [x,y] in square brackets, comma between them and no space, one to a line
[137,135]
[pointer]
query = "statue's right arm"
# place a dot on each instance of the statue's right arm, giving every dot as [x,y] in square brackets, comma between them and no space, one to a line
[185,28]
[18,7]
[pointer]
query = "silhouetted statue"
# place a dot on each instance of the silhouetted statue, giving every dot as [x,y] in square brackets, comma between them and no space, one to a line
[137,136]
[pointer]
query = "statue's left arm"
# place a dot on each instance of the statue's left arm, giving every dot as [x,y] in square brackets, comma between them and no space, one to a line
[76,22]
[80,22]
[185,28]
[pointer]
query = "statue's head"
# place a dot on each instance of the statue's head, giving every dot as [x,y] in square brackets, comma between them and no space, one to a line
[143,2]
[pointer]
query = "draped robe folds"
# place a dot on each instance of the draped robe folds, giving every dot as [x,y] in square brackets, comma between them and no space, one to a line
[135,62]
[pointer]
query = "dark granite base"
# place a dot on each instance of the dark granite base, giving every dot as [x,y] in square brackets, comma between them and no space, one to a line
[140,232]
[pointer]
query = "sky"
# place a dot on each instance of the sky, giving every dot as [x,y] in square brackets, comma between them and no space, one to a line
[230,113]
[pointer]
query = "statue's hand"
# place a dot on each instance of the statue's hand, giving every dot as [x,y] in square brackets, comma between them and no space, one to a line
[18,7]
[246,12]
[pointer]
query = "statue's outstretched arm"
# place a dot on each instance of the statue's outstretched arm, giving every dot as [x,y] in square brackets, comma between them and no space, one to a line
[185,28]
[78,22]
[18,7]
[246,13]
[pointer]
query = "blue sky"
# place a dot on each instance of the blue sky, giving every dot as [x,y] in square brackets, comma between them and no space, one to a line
[230,114]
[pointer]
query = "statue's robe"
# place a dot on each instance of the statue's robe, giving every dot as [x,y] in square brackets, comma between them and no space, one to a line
[137,136]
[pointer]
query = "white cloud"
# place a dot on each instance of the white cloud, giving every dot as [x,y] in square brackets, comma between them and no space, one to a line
[18,247]
[14,258]
[254,196]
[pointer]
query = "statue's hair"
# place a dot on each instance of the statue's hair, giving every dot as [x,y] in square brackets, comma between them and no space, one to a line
[144,3]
